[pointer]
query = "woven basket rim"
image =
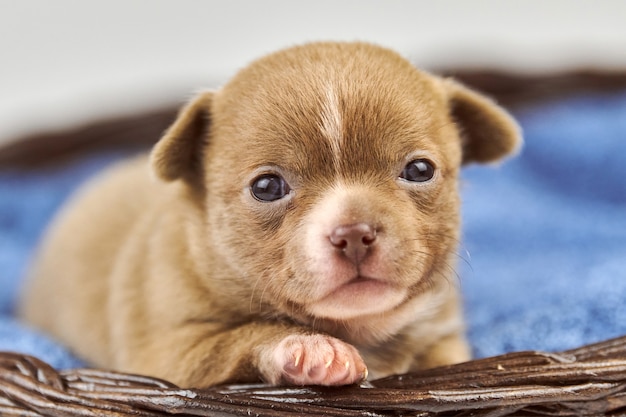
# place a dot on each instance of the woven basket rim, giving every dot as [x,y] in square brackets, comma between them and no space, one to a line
[588,381]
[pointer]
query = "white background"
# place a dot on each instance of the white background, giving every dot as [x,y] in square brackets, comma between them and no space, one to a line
[63,62]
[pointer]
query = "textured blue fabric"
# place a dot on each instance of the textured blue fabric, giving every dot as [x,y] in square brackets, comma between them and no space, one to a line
[543,257]
[547,232]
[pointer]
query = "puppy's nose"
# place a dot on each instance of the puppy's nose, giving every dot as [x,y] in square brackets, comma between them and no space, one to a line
[353,240]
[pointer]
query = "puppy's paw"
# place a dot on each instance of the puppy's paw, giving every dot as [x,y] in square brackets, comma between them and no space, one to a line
[317,360]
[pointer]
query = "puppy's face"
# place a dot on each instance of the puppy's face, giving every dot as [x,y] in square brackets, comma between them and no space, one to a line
[330,177]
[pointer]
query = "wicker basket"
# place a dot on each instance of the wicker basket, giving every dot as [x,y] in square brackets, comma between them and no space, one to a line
[590,381]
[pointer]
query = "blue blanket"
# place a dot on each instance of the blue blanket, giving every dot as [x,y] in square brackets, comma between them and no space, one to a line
[543,258]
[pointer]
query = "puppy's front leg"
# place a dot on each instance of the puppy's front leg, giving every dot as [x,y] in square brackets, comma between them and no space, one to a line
[200,356]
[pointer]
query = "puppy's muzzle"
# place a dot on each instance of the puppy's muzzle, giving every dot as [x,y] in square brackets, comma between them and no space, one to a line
[353,241]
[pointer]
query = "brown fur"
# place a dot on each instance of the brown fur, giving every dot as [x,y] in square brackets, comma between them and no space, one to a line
[192,279]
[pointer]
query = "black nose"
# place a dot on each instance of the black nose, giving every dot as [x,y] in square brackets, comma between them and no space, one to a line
[353,240]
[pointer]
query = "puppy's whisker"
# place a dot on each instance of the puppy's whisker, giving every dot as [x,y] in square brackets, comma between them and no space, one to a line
[451,269]
[467,261]
[254,289]
[266,276]
[437,238]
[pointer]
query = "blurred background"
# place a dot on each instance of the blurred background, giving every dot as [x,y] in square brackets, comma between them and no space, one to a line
[67,61]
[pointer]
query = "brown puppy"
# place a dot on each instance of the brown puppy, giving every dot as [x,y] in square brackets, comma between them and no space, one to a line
[302,229]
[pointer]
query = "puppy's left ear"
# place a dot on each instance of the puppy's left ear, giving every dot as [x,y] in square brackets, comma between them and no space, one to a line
[488,132]
[178,154]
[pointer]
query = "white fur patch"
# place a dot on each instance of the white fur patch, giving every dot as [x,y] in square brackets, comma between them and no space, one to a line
[326,215]
[332,121]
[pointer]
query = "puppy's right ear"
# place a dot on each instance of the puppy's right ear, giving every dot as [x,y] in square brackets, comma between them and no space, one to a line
[178,154]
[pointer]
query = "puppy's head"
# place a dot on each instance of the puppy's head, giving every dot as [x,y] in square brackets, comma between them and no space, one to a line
[329,173]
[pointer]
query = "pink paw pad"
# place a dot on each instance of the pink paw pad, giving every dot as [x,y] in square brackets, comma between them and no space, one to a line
[318,360]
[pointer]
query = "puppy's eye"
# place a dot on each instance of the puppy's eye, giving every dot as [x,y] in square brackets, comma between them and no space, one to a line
[418,170]
[269,187]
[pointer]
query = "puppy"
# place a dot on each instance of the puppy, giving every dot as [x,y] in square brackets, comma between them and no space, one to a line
[299,227]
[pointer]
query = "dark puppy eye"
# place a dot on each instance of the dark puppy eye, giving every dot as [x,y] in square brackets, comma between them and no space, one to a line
[418,170]
[269,187]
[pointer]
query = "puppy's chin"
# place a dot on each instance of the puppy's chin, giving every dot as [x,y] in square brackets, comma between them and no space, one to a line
[358,297]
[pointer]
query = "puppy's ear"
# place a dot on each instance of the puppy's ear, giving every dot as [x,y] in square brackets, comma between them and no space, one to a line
[178,154]
[488,132]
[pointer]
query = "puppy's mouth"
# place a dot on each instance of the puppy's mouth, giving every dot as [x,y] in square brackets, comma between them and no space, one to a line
[361,284]
[359,296]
